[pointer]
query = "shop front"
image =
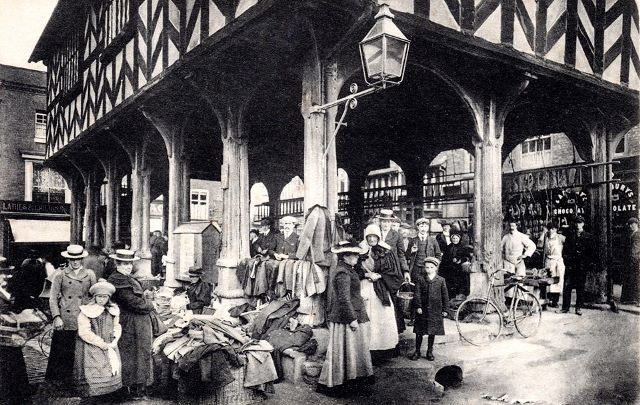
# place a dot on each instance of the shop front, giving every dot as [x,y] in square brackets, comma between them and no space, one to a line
[32,228]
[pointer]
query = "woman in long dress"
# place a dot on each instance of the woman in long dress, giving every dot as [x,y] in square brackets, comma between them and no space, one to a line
[347,364]
[135,318]
[381,278]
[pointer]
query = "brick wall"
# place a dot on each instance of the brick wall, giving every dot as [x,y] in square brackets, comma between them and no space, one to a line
[22,92]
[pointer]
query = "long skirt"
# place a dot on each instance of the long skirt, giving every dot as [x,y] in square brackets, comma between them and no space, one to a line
[348,356]
[92,373]
[60,365]
[384,329]
[14,382]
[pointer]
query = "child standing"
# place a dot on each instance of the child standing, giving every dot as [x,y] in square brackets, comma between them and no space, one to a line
[430,302]
[97,367]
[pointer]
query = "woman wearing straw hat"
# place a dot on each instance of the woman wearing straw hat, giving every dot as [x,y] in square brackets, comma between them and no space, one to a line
[137,335]
[97,360]
[69,290]
[348,361]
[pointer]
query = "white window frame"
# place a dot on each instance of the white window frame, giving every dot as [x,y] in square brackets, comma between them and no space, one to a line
[534,141]
[195,209]
[40,121]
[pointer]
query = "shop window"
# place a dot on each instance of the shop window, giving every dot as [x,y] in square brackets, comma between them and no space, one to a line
[536,144]
[41,127]
[199,204]
[47,185]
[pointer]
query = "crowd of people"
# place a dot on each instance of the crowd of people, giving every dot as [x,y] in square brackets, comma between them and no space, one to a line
[103,318]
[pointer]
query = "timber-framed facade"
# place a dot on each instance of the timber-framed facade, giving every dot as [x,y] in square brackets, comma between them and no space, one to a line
[168,90]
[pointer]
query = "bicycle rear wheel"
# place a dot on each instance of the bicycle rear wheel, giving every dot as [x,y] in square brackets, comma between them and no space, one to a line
[528,314]
[478,321]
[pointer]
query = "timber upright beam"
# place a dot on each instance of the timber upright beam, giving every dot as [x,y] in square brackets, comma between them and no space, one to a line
[171,132]
[489,107]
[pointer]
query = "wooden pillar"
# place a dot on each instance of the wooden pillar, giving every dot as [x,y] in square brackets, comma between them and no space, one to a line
[136,200]
[235,200]
[111,196]
[88,227]
[333,86]
[598,197]
[174,203]
[185,211]
[146,213]
[76,210]
[165,213]
[314,133]
[118,192]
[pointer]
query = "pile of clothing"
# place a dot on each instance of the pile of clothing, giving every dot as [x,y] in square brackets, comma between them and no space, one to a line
[202,353]
[16,329]
[277,279]
[277,323]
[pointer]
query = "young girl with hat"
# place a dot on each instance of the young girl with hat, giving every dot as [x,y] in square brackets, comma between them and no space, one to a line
[97,358]
[430,302]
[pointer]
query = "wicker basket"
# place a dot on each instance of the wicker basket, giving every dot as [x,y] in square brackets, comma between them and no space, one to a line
[405,299]
[234,393]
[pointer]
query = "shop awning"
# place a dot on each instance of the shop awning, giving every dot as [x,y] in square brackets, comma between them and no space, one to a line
[39,230]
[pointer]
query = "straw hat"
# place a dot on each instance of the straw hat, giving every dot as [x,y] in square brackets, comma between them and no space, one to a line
[386,214]
[288,220]
[102,287]
[348,246]
[74,252]
[124,255]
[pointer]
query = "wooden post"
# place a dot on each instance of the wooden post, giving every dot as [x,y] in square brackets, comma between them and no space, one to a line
[175,201]
[136,200]
[314,133]
[118,192]
[598,197]
[112,180]
[235,200]
[333,85]
[185,211]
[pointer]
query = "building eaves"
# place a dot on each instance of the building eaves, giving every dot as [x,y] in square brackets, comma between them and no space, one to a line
[64,17]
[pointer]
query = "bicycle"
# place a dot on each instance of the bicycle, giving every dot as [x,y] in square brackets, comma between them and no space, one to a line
[479,320]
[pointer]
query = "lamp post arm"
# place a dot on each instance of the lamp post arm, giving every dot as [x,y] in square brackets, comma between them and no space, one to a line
[335,131]
[324,107]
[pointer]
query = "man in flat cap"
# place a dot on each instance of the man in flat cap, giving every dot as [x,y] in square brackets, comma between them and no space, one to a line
[419,248]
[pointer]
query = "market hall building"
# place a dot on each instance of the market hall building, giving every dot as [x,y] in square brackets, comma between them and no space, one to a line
[165,91]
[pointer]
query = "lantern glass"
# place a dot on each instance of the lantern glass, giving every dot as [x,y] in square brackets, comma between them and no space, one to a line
[373,57]
[384,51]
[395,57]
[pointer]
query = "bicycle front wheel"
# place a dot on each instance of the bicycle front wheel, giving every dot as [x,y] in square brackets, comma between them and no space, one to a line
[478,321]
[528,314]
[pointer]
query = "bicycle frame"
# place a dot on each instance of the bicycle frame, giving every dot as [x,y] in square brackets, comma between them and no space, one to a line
[509,315]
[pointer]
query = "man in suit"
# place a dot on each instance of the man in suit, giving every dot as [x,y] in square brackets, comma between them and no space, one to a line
[579,253]
[392,237]
[289,243]
[444,238]
[419,248]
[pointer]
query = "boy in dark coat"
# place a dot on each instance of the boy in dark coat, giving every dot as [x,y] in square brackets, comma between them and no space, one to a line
[430,302]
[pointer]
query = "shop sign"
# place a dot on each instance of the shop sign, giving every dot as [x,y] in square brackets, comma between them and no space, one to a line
[544,179]
[623,198]
[30,207]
